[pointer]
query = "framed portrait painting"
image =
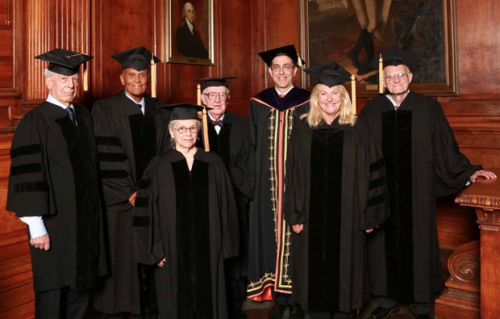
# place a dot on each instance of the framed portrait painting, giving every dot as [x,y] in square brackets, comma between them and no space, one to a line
[190,32]
[354,32]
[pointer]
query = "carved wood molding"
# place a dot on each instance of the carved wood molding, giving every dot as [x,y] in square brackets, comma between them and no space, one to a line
[488,220]
[464,266]
[484,202]
[462,287]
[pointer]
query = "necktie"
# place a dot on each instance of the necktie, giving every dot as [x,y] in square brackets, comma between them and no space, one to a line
[397,106]
[71,114]
[282,95]
[218,122]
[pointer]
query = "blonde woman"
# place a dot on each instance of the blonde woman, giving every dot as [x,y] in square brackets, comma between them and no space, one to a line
[335,195]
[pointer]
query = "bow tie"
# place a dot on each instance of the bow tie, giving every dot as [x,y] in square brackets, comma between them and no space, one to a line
[218,122]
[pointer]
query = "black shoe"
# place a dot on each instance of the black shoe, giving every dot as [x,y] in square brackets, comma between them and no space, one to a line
[426,316]
[381,313]
[296,313]
[277,311]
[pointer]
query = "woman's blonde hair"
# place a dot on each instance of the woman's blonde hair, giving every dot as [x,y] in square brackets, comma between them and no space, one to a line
[315,118]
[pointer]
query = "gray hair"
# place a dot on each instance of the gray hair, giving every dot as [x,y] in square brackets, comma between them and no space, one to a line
[48,73]
[185,8]
[172,123]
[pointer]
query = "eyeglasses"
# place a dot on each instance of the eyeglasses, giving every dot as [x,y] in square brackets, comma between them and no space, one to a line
[212,95]
[286,67]
[193,129]
[392,77]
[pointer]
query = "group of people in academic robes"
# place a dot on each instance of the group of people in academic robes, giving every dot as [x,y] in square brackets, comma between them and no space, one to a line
[304,203]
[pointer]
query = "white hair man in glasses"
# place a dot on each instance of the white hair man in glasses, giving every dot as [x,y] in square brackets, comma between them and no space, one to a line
[228,138]
[422,161]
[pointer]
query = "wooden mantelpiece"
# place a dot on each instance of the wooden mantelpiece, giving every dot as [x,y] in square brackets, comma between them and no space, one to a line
[473,289]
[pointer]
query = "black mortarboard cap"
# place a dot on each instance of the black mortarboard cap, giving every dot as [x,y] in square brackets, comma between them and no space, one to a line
[138,58]
[329,74]
[208,82]
[63,61]
[396,56]
[183,111]
[288,50]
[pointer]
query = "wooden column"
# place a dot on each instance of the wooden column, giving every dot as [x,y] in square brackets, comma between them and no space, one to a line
[469,293]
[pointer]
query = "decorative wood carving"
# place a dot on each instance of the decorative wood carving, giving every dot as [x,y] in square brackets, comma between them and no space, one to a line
[462,287]
[484,197]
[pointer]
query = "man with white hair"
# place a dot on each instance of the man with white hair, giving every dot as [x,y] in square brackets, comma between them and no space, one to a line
[423,162]
[54,189]
[189,42]
[228,137]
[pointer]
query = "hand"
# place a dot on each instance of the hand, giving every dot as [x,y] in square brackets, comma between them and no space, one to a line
[131,199]
[297,228]
[369,230]
[161,263]
[42,242]
[483,173]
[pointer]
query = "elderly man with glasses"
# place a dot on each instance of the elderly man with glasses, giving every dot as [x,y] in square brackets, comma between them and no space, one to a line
[228,137]
[273,113]
[423,162]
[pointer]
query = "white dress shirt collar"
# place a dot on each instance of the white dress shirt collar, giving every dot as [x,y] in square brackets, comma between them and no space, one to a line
[279,93]
[216,127]
[142,103]
[54,101]
[392,101]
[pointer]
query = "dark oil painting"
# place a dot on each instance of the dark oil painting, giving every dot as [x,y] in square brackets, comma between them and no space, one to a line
[353,32]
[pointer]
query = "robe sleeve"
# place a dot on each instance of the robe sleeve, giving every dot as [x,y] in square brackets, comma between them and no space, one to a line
[371,176]
[30,187]
[242,172]
[452,168]
[147,238]
[297,180]
[113,159]
[228,211]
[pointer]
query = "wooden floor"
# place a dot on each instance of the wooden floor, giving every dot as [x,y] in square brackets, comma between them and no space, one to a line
[258,310]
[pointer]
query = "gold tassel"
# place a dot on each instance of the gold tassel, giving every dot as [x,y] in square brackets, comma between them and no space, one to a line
[85,77]
[204,119]
[353,93]
[299,61]
[381,75]
[153,77]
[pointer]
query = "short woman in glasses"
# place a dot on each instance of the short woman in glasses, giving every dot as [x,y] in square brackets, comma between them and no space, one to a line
[335,195]
[187,224]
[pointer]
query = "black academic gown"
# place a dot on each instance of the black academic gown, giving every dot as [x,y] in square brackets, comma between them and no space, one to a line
[190,218]
[54,175]
[231,144]
[272,120]
[126,140]
[336,189]
[423,162]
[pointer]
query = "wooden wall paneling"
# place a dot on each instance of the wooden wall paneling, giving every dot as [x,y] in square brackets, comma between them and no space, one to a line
[117,26]
[259,44]
[6,46]
[479,42]
[48,25]
[238,48]
[283,27]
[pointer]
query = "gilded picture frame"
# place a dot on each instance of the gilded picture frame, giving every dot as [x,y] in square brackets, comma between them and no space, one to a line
[332,31]
[189,32]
